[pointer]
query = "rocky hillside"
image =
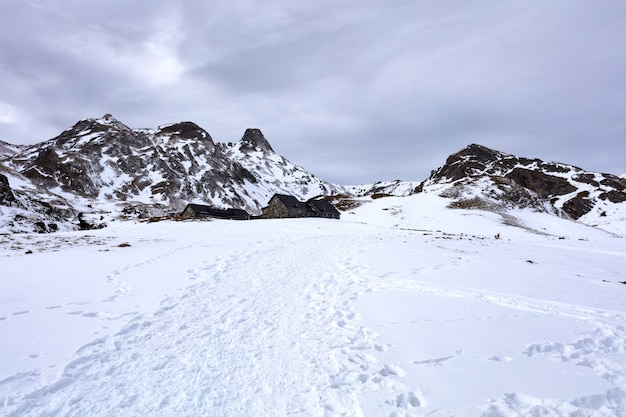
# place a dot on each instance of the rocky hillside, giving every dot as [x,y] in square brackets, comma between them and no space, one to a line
[100,170]
[479,177]
[103,166]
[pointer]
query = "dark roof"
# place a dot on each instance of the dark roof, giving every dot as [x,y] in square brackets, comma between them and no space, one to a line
[203,210]
[290,201]
[324,206]
[312,207]
[199,209]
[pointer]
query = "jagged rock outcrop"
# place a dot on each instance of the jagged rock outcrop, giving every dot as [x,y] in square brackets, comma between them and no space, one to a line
[7,198]
[481,177]
[280,176]
[253,140]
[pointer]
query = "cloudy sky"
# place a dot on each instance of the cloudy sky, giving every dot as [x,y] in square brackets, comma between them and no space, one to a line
[354,91]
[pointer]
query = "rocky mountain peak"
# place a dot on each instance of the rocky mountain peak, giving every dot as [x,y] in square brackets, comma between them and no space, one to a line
[476,152]
[479,177]
[103,165]
[108,119]
[104,128]
[253,139]
[106,122]
[476,161]
[183,130]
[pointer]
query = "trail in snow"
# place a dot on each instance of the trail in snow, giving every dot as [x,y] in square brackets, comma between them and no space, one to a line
[317,318]
[259,334]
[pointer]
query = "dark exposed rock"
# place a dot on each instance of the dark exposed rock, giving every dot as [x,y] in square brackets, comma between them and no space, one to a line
[184,130]
[476,153]
[467,162]
[542,184]
[7,198]
[74,175]
[47,160]
[579,205]
[613,181]
[253,139]
[84,224]
[551,167]
[613,196]
[42,227]
[586,179]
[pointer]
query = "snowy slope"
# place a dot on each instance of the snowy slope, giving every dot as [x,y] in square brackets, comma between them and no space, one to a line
[391,311]
[429,211]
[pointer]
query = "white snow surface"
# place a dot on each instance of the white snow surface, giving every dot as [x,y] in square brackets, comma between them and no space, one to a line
[402,308]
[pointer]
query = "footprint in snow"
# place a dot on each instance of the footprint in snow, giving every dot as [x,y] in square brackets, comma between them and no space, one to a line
[75,313]
[19,313]
[439,361]
[498,358]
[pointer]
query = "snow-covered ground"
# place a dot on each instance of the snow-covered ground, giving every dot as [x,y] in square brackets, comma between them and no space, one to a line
[401,308]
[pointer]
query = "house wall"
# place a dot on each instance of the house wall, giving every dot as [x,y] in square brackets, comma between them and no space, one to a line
[275,209]
[188,213]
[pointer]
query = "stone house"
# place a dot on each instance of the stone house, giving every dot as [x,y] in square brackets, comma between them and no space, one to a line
[323,208]
[284,206]
[201,211]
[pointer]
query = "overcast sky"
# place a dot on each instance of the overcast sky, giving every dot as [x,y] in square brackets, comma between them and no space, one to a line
[353,91]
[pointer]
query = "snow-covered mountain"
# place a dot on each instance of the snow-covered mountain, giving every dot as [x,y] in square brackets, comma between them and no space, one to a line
[481,178]
[101,169]
[101,165]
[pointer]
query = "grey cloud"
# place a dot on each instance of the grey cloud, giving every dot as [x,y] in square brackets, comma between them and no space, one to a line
[352,91]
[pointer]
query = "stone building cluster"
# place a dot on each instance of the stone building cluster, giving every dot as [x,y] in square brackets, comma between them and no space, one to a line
[280,206]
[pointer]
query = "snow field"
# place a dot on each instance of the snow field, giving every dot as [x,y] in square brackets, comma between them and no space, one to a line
[314,317]
[482,322]
[255,333]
